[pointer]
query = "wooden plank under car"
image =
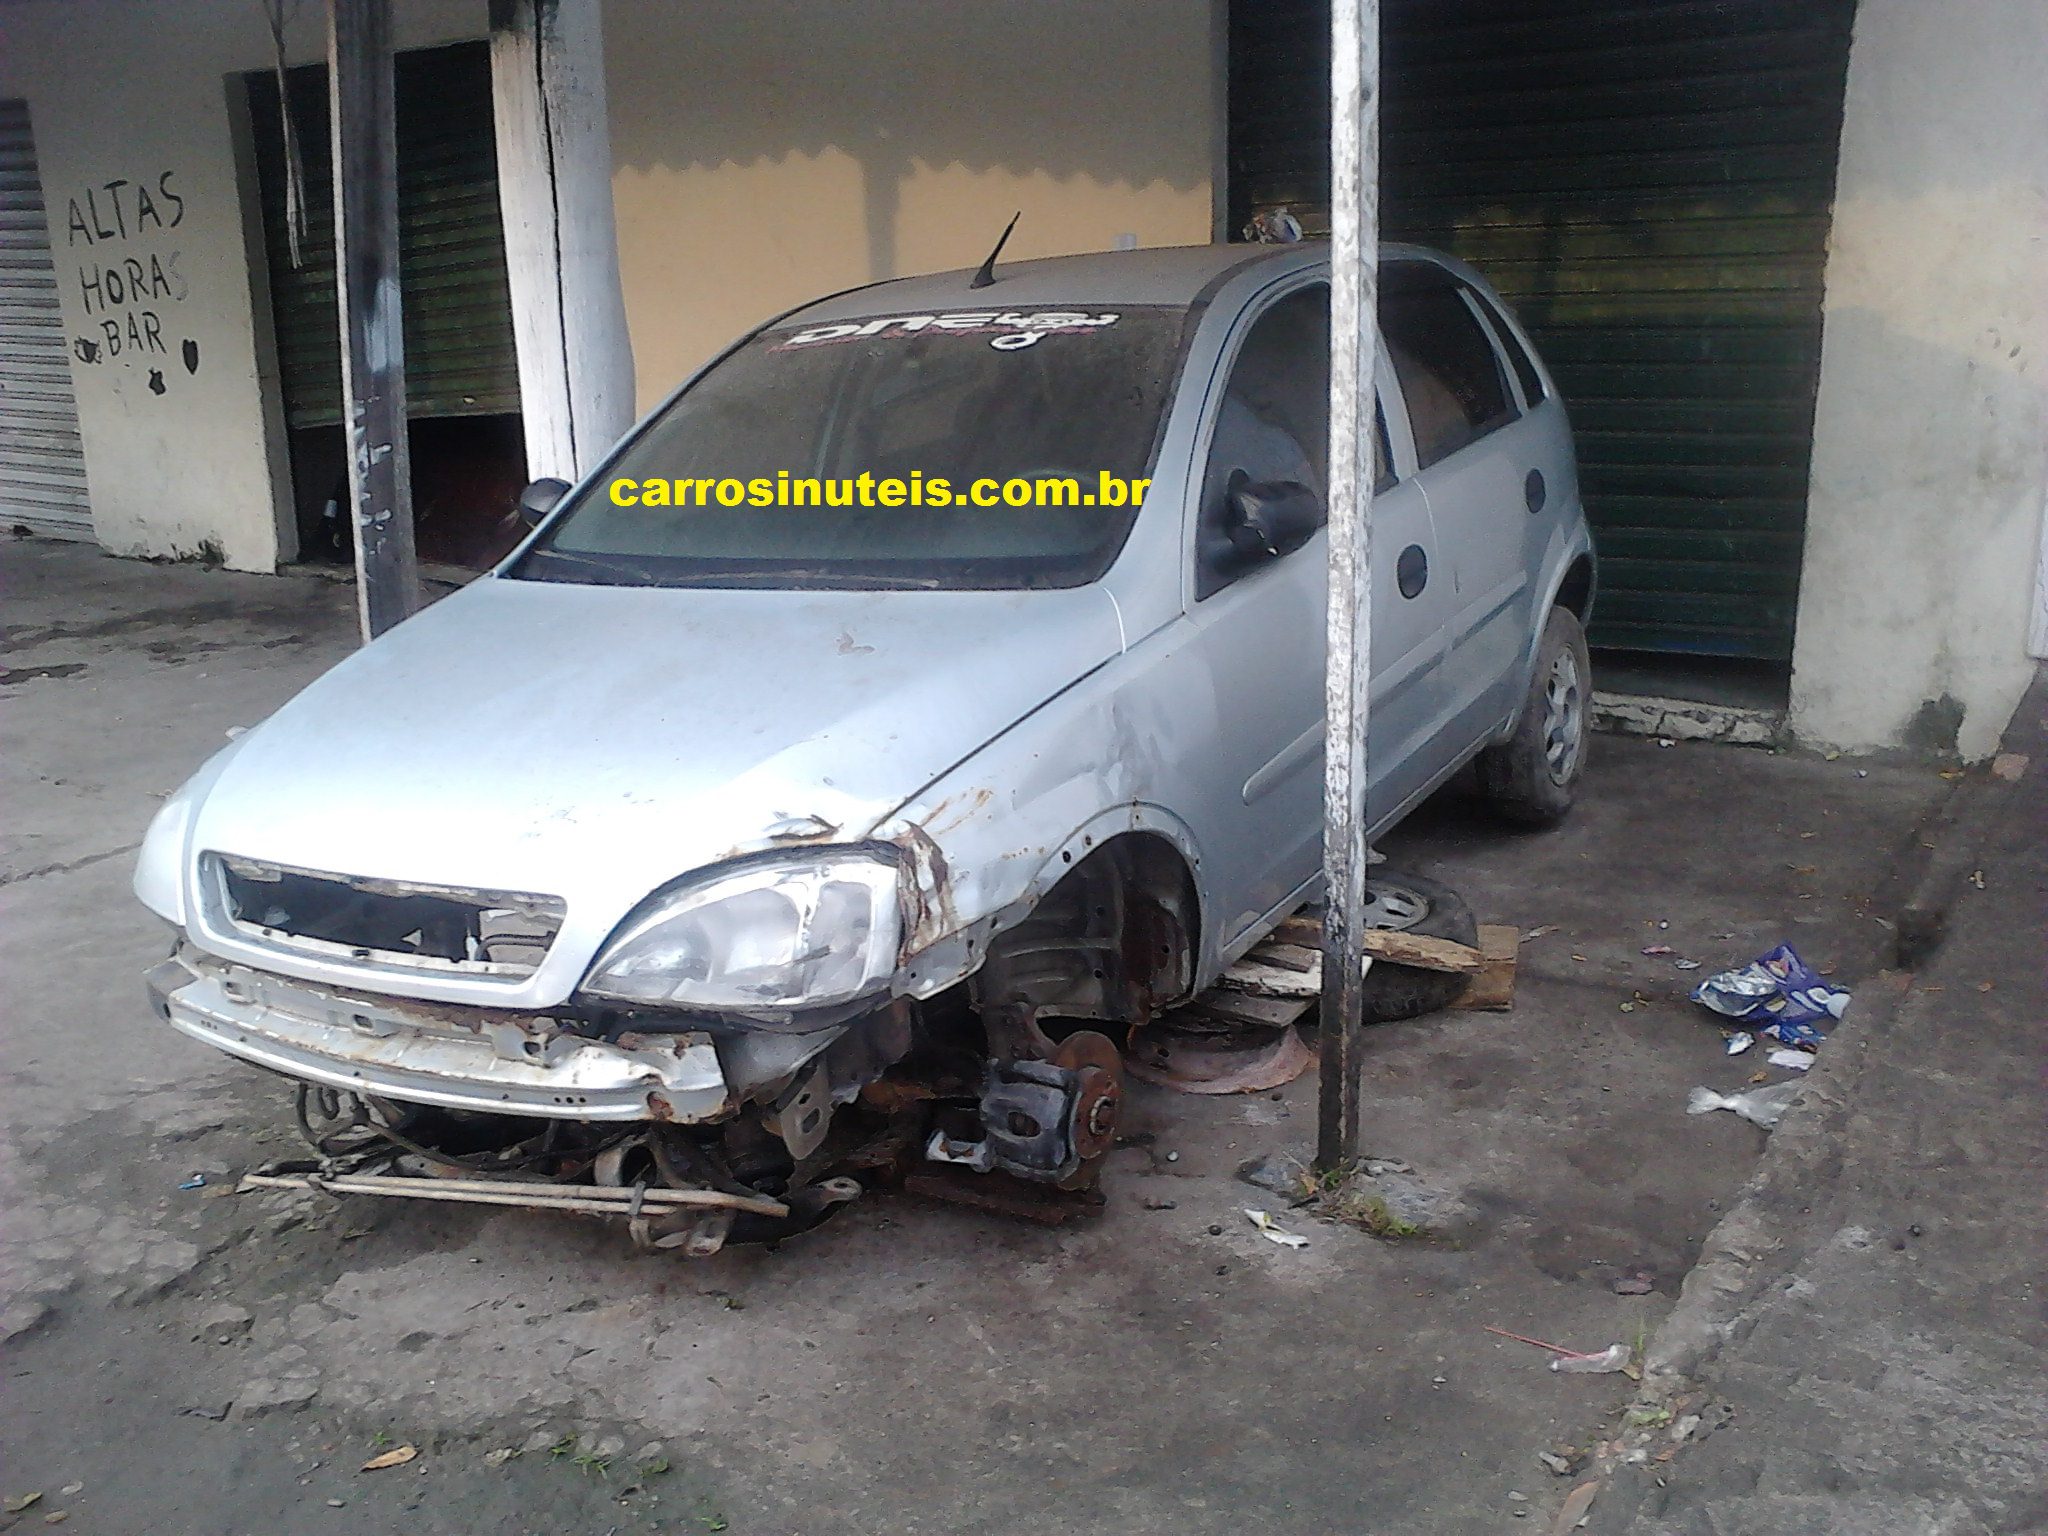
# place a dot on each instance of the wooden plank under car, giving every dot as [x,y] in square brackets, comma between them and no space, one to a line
[1279,979]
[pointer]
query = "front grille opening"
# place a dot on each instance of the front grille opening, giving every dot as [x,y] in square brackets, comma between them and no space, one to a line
[504,933]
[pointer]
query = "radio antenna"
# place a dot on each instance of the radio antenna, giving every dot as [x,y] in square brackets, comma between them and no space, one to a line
[987,275]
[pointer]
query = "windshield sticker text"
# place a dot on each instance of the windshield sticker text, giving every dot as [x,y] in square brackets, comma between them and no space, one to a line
[1007,330]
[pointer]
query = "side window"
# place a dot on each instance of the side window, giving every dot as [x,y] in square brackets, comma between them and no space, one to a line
[1518,355]
[1450,374]
[1274,422]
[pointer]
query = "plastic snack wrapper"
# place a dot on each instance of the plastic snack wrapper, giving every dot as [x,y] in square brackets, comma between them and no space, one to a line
[1779,994]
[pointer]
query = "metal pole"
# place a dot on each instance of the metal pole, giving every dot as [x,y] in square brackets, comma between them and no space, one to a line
[372,323]
[1354,262]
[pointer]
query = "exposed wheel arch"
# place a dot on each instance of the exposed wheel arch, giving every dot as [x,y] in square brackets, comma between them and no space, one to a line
[1116,938]
[1575,592]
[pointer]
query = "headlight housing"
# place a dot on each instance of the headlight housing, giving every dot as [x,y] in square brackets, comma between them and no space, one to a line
[768,937]
[159,882]
[160,865]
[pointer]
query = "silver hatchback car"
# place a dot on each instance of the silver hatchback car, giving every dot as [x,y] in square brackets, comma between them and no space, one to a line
[688,829]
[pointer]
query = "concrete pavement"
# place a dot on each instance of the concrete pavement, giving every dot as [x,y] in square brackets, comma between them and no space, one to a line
[198,1361]
[1867,1343]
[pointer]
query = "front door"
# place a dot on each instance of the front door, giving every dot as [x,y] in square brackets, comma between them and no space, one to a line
[1260,624]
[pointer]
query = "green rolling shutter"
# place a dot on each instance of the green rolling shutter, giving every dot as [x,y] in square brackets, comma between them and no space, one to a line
[459,357]
[1650,186]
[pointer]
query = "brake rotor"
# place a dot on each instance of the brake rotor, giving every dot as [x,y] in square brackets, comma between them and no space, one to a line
[1209,1061]
[1098,1100]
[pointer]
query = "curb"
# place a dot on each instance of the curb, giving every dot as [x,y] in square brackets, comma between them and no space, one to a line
[1749,1250]
[1950,843]
[1641,714]
[1758,1242]
[1958,833]
[1760,1225]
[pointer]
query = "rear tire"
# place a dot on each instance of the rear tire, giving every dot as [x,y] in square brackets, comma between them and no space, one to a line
[1532,778]
[1412,904]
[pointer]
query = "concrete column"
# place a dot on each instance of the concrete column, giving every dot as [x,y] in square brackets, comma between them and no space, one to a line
[561,244]
[1930,452]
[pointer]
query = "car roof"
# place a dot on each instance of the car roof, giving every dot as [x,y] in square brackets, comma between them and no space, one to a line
[1174,275]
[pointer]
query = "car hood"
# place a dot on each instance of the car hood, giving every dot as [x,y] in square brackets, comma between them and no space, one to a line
[594,743]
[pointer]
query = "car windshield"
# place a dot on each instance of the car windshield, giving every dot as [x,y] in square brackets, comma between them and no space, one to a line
[883,453]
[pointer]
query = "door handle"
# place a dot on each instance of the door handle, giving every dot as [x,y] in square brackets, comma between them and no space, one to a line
[1534,491]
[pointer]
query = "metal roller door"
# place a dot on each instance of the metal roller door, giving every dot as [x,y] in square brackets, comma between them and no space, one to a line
[459,355]
[1650,184]
[42,466]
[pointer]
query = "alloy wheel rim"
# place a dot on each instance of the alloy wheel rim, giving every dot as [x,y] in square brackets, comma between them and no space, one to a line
[1564,718]
[1394,907]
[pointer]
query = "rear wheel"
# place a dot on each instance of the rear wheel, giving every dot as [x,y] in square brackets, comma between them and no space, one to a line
[1533,776]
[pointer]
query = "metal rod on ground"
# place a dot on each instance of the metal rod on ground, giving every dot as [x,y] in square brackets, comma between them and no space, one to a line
[1354,265]
[372,323]
[507,1192]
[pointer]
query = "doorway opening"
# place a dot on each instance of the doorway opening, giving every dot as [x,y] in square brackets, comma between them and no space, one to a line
[465,434]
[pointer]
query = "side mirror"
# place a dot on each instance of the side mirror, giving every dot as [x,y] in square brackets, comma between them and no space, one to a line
[541,498]
[1265,519]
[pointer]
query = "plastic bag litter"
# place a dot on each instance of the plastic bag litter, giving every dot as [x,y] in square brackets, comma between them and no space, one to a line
[1760,1106]
[1777,991]
[1614,1357]
[1276,226]
[1785,1056]
[1272,1232]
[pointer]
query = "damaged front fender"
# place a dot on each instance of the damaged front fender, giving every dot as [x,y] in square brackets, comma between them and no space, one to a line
[999,863]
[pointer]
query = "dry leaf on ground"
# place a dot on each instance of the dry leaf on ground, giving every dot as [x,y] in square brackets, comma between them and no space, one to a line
[1576,1503]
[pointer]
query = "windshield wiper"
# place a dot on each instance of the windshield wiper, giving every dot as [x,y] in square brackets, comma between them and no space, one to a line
[813,576]
[609,565]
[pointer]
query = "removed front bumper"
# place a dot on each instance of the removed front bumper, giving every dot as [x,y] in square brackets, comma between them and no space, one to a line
[427,1053]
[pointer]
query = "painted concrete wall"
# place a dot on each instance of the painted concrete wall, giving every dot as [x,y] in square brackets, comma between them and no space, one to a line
[769,151]
[1930,463]
[765,152]
[134,105]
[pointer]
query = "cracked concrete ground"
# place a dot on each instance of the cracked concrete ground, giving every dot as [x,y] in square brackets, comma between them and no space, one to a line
[907,1367]
[1875,1357]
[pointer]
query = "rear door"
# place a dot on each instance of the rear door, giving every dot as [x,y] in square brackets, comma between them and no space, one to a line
[1473,456]
[1414,599]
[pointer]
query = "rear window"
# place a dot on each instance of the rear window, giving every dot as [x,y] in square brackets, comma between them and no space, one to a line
[1450,374]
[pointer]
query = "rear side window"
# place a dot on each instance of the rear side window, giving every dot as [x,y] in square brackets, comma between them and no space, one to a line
[1450,374]
[1518,355]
